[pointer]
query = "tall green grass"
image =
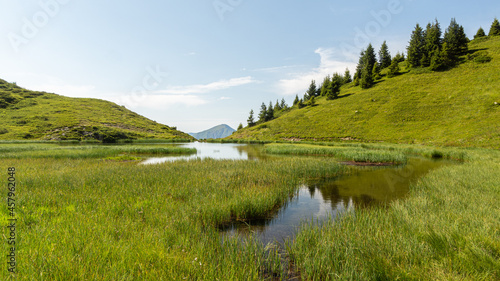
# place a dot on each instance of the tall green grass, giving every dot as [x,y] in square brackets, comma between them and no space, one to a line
[85,219]
[361,152]
[448,229]
[45,150]
[357,154]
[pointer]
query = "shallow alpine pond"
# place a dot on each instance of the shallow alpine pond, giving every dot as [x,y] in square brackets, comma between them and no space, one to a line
[331,197]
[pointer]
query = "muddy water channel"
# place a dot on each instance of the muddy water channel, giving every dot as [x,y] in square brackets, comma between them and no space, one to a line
[318,200]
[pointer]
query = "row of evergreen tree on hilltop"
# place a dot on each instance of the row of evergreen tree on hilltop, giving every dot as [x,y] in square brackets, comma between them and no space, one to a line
[267,113]
[428,48]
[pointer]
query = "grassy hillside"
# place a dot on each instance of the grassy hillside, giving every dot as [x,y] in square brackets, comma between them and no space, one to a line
[458,107]
[31,115]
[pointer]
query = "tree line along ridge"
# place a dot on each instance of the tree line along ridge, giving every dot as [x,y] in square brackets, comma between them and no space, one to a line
[428,48]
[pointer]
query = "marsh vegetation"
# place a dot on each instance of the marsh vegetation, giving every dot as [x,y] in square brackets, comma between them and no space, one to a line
[84,217]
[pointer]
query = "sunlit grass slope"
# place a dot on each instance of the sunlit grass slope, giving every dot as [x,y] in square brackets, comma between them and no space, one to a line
[459,107]
[32,115]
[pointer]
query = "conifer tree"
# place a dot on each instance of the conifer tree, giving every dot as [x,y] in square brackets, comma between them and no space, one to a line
[312,101]
[369,60]
[366,78]
[356,81]
[277,106]
[251,120]
[376,72]
[432,43]
[270,112]
[437,62]
[334,88]
[495,28]
[416,48]
[283,104]
[240,126]
[311,92]
[296,100]
[325,86]
[393,68]
[263,113]
[338,78]
[300,104]
[463,40]
[384,56]
[456,40]
[399,57]
[370,57]
[480,33]
[318,91]
[347,76]
[402,57]
[359,68]
[447,58]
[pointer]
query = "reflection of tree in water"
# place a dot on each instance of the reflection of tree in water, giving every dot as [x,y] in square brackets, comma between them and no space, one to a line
[312,190]
[367,187]
[330,192]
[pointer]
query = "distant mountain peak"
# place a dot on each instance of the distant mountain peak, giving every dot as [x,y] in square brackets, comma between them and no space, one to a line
[217,132]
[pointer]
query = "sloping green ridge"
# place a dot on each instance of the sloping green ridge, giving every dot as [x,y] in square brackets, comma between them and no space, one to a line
[459,107]
[32,115]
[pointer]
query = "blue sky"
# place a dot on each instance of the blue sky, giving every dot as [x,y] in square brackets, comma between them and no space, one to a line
[197,64]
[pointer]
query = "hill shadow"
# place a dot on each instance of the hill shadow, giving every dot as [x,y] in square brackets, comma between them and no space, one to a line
[470,52]
[343,96]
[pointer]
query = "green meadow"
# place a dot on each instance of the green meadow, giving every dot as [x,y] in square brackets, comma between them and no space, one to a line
[447,229]
[90,217]
[457,107]
[33,115]
[87,208]
[108,152]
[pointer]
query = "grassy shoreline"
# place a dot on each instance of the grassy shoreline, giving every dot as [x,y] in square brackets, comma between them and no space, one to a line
[82,218]
[58,151]
[87,219]
[446,230]
[343,153]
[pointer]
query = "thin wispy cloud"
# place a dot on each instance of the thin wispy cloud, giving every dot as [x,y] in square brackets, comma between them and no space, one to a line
[275,69]
[299,82]
[207,88]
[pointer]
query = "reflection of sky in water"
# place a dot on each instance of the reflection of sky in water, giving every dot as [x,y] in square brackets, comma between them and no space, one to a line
[319,200]
[306,206]
[217,151]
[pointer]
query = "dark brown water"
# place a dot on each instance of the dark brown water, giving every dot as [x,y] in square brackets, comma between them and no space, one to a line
[322,199]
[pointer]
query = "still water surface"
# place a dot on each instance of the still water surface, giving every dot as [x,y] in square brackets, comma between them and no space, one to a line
[219,151]
[319,200]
